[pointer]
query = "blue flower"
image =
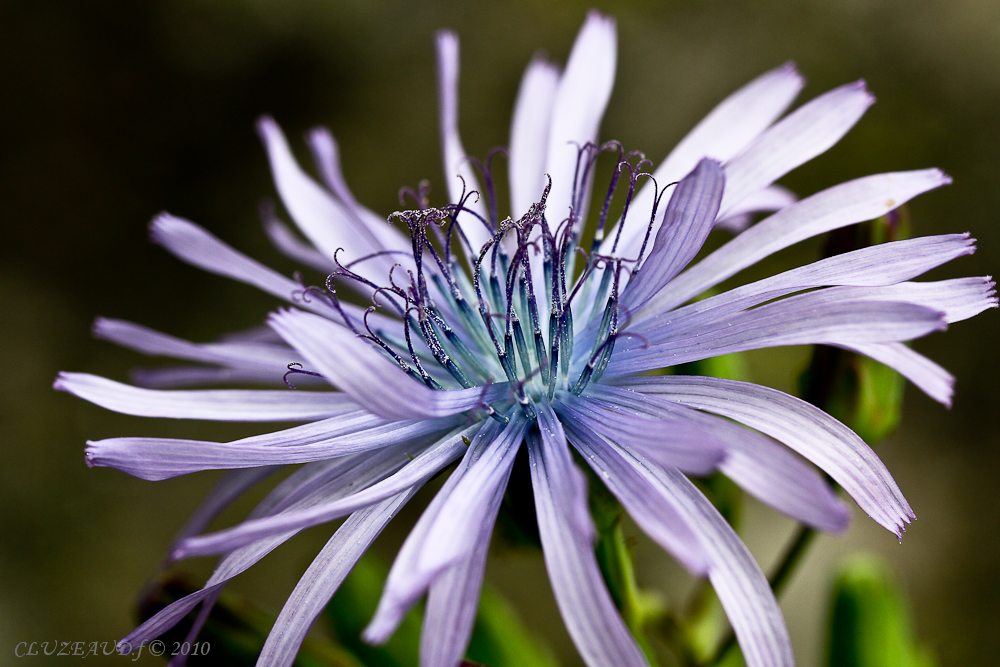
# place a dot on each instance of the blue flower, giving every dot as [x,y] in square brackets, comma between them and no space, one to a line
[490,335]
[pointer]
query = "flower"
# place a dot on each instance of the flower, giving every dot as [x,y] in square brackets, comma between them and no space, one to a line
[537,342]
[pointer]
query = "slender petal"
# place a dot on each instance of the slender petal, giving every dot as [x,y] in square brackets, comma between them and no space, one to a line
[225,491]
[803,427]
[723,133]
[368,377]
[583,94]
[293,247]
[762,467]
[658,519]
[195,246]
[405,585]
[253,405]
[933,380]
[324,220]
[671,442]
[793,141]
[880,265]
[423,466]
[163,458]
[324,576]
[458,172]
[805,319]
[958,299]
[529,134]
[273,358]
[326,154]
[741,586]
[586,606]
[453,599]
[688,219]
[855,201]
[312,483]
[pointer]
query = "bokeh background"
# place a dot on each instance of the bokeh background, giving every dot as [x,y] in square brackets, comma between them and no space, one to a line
[112,111]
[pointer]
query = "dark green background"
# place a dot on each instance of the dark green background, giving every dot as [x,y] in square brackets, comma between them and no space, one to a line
[113,111]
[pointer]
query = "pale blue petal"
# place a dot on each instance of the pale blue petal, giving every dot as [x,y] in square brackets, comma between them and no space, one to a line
[687,220]
[763,468]
[405,583]
[358,368]
[658,519]
[529,134]
[854,201]
[252,405]
[806,319]
[458,171]
[723,133]
[669,440]
[323,577]
[805,428]
[326,222]
[586,606]
[933,380]
[414,473]
[797,138]
[163,458]
[741,586]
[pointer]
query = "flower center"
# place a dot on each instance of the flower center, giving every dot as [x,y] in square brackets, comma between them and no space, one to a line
[510,313]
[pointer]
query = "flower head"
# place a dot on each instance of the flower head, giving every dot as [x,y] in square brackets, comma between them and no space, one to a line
[487,335]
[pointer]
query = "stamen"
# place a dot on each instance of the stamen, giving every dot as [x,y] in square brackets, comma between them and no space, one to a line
[296,368]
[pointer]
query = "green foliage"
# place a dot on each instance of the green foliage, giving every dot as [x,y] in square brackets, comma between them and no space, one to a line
[870,622]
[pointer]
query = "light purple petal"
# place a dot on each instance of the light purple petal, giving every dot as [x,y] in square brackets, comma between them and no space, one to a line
[959,298]
[580,101]
[799,137]
[805,319]
[658,519]
[671,442]
[529,134]
[323,577]
[254,405]
[763,468]
[453,599]
[935,381]
[805,428]
[883,264]
[422,467]
[405,583]
[327,158]
[468,505]
[456,164]
[733,124]
[855,201]
[225,491]
[163,458]
[263,356]
[586,606]
[197,247]
[369,377]
[689,217]
[291,246]
[326,222]
[741,586]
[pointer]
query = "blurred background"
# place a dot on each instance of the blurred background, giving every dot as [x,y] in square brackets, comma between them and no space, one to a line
[114,110]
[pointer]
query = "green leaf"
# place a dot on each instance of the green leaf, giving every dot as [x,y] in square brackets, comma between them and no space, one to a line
[870,623]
